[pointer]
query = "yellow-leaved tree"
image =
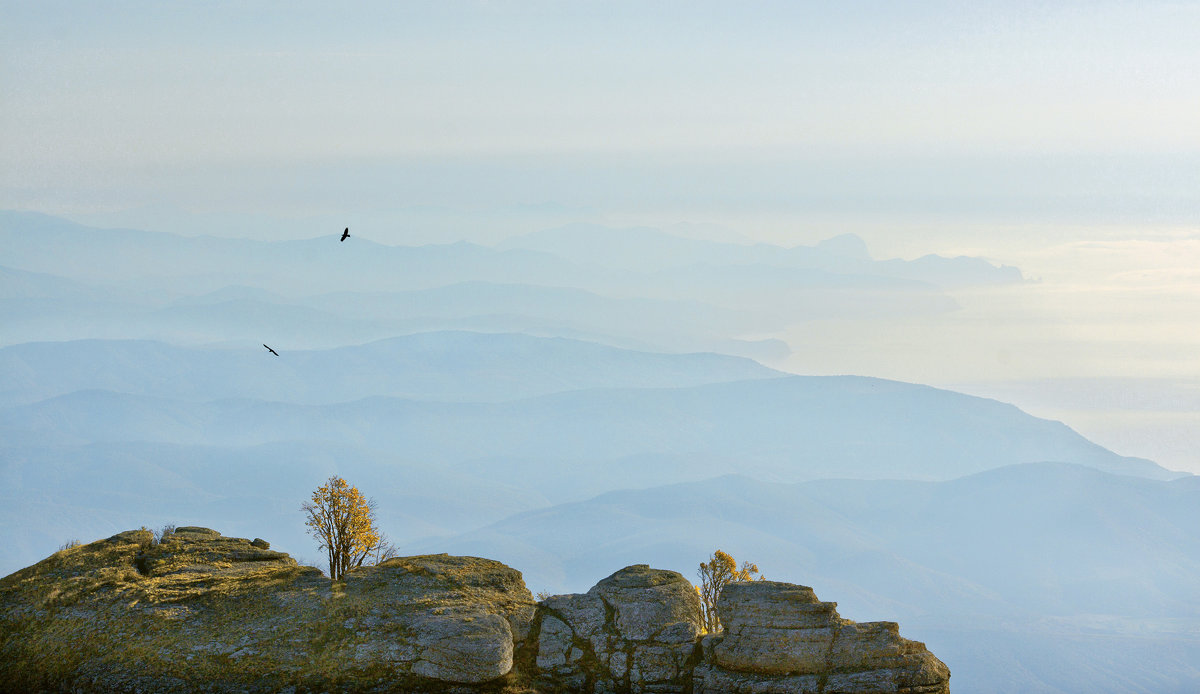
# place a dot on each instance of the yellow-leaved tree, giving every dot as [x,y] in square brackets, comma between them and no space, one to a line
[343,520]
[719,571]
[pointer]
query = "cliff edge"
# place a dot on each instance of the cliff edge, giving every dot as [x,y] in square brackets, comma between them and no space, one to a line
[203,612]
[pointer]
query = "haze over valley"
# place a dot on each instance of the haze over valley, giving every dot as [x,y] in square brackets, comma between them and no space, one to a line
[896,301]
[564,404]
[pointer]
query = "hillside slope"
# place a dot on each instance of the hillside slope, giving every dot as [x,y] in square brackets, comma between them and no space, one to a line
[1042,578]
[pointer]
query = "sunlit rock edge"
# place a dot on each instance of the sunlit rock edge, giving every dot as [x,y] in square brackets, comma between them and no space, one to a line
[202,612]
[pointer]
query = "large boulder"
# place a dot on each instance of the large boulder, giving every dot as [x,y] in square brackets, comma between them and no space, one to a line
[456,619]
[780,639]
[635,631]
[200,611]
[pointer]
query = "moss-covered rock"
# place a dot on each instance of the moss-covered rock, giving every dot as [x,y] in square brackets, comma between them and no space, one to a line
[200,612]
[204,612]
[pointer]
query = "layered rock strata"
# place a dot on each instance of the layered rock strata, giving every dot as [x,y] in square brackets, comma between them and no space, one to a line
[779,638]
[203,612]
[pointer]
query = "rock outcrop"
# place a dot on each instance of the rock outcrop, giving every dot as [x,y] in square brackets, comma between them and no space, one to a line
[202,612]
[635,631]
[779,639]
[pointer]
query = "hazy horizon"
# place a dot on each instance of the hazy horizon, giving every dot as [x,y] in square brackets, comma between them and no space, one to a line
[1098,335]
[1055,138]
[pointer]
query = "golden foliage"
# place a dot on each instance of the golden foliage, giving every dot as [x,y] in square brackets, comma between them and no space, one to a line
[719,571]
[343,520]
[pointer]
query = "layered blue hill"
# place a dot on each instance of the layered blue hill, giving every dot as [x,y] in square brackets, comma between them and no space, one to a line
[1012,574]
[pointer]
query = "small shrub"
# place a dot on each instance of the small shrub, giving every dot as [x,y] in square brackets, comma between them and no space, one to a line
[69,544]
[383,551]
[343,521]
[719,571]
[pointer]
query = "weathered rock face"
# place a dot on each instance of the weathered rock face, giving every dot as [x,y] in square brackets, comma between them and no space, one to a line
[203,612]
[635,631]
[450,619]
[779,638]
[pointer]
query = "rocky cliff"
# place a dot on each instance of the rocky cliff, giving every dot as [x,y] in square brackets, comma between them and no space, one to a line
[203,612]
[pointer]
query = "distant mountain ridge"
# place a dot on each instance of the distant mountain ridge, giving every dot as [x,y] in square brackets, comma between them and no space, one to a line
[790,429]
[314,293]
[646,249]
[453,365]
[41,243]
[585,256]
[1072,563]
[549,433]
[968,530]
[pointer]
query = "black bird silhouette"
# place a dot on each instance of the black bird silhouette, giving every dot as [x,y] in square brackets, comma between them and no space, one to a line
[345,234]
[271,350]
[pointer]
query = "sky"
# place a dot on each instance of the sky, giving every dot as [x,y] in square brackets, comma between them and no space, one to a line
[1056,137]
[1006,110]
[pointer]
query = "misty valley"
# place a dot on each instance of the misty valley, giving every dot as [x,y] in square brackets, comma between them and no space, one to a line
[577,400]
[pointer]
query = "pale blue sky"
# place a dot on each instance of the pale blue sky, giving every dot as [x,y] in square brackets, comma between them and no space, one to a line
[932,108]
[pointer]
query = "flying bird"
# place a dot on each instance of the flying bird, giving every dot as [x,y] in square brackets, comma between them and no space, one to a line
[345,234]
[271,350]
